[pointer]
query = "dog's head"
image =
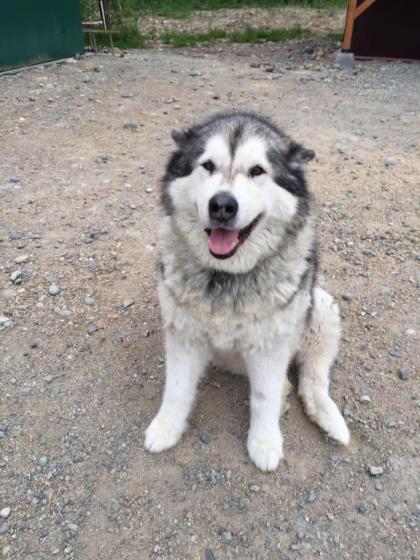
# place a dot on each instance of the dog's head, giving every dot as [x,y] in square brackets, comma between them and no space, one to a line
[235,188]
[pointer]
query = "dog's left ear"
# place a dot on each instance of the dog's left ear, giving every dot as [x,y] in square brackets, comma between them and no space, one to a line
[182,137]
[298,155]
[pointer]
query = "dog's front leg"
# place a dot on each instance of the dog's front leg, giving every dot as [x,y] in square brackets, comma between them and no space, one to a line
[267,376]
[186,361]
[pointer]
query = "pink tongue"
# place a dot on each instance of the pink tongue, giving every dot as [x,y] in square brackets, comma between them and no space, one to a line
[223,241]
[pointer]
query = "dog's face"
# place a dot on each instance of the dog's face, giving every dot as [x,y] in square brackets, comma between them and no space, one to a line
[235,188]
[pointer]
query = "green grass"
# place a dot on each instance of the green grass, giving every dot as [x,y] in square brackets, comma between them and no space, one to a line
[127,38]
[183,8]
[248,35]
[336,37]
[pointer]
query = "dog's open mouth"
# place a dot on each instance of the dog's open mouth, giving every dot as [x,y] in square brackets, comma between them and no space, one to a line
[223,243]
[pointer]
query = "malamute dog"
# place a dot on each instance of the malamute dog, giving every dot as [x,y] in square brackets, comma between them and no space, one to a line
[238,280]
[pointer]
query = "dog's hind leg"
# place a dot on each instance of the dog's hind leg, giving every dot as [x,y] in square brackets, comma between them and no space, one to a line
[315,358]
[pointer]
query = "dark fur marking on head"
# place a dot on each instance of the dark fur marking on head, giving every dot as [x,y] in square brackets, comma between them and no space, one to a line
[235,138]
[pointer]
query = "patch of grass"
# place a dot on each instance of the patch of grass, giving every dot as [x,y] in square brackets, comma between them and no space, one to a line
[179,39]
[249,35]
[127,38]
[335,37]
[183,8]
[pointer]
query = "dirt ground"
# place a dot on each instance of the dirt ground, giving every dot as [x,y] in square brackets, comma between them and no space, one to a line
[83,145]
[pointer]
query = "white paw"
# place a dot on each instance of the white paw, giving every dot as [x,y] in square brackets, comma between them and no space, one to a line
[338,430]
[266,450]
[162,434]
[325,413]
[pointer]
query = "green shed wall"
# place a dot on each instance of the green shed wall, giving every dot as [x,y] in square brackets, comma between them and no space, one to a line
[33,31]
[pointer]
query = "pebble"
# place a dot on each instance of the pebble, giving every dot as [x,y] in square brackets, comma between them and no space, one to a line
[5,321]
[365,399]
[5,512]
[311,498]
[411,332]
[208,553]
[130,126]
[4,527]
[346,297]
[22,259]
[379,486]
[226,536]
[5,550]
[395,353]
[43,460]
[15,275]
[390,162]
[254,488]
[204,438]
[376,471]
[361,508]
[149,190]
[9,294]
[404,374]
[128,303]
[91,328]
[53,290]
[90,300]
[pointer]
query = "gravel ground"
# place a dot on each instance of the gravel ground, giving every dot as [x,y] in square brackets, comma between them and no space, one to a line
[81,372]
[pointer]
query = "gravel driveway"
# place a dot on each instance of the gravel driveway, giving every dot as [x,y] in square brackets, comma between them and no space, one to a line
[81,372]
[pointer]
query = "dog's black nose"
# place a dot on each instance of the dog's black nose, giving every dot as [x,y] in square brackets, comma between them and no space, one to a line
[223,207]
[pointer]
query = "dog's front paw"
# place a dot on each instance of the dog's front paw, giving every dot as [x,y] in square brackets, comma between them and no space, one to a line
[266,450]
[162,434]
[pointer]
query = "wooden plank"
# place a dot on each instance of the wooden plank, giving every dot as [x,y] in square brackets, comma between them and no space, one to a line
[348,30]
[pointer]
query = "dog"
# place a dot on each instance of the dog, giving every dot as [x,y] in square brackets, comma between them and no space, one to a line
[238,284]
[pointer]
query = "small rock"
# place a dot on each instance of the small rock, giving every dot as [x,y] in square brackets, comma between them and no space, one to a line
[15,275]
[90,300]
[361,508]
[34,344]
[379,486]
[53,290]
[204,438]
[390,162]
[91,328]
[73,527]
[128,303]
[130,126]
[9,294]
[208,553]
[4,527]
[311,498]
[389,422]
[149,190]
[395,353]
[365,399]
[411,332]
[43,460]
[346,297]
[254,488]
[404,374]
[22,259]
[226,536]
[376,471]
[5,512]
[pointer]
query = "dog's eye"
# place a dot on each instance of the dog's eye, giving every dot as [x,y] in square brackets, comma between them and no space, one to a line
[256,170]
[209,166]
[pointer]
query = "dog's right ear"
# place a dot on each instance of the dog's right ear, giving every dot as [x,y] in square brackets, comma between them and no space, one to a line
[182,137]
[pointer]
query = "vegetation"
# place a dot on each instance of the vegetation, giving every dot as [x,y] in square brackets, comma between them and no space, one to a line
[248,35]
[124,15]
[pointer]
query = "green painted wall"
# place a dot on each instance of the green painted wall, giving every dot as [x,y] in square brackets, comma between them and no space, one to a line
[34,31]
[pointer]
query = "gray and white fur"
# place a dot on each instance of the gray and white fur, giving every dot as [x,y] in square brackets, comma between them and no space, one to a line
[238,280]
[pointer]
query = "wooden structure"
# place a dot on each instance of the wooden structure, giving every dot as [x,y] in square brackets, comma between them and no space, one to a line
[383,29]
